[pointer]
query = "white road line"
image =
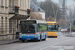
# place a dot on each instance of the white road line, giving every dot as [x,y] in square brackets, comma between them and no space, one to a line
[47,39]
[56,43]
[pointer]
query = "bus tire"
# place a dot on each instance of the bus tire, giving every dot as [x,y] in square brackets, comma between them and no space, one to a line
[23,40]
[40,38]
[37,40]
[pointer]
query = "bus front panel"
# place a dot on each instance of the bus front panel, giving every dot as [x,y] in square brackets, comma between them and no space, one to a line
[52,29]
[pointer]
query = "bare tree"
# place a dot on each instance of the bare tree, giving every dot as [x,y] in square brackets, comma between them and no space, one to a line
[49,7]
[50,18]
[62,23]
[36,16]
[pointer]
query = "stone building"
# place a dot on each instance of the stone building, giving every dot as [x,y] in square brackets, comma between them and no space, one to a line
[11,11]
[37,10]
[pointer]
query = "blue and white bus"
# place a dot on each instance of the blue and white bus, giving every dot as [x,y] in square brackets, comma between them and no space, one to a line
[32,30]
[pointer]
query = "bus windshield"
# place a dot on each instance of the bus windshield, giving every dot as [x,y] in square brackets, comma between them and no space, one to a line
[52,28]
[28,28]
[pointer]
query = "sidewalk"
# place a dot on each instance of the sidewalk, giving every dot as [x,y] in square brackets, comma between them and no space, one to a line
[8,41]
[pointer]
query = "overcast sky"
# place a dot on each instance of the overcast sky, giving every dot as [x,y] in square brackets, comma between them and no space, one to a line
[69,2]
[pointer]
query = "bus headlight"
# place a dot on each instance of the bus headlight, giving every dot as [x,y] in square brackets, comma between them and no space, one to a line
[20,33]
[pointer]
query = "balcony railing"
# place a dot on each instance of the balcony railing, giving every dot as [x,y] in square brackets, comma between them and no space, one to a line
[13,10]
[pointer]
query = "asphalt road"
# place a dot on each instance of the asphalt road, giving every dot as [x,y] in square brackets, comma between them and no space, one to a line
[60,43]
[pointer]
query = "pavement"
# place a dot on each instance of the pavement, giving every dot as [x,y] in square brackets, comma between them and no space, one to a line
[8,41]
[59,43]
[16,40]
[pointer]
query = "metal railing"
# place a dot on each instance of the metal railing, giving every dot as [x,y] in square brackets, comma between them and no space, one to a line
[11,10]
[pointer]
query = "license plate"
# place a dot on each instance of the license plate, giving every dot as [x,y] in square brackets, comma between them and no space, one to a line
[51,35]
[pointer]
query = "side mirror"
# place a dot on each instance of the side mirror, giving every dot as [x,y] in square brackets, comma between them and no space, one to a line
[58,25]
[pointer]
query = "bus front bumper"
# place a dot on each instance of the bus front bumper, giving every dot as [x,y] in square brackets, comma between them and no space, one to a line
[28,38]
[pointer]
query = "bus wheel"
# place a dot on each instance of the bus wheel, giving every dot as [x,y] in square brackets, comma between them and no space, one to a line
[40,38]
[23,40]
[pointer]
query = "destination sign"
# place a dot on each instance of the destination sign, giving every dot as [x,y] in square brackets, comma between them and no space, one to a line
[23,22]
[52,24]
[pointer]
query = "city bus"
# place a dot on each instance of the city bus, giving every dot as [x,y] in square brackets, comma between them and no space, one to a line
[32,30]
[52,28]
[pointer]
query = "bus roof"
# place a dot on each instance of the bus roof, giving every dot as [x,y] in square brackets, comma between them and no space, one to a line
[41,21]
[38,21]
[51,22]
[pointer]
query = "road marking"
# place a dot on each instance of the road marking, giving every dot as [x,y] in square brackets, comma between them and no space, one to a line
[57,43]
[56,38]
[47,38]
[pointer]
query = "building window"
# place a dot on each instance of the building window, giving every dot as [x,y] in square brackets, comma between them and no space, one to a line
[2,25]
[33,9]
[6,3]
[6,25]
[20,3]
[38,9]
[16,9]
[1,2]
[28,3]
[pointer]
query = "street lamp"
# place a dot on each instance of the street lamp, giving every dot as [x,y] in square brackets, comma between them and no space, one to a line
[55,13]
[70,28]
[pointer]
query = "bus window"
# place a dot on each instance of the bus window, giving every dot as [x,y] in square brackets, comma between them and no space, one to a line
[42,27]
[52,28]
[30,28]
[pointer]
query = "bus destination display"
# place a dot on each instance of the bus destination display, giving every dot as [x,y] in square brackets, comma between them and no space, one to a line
[23,22]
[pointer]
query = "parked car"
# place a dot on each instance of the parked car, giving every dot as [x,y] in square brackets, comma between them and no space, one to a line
[68,29]
[63,30]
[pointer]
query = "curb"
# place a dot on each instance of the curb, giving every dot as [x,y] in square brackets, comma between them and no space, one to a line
[9,42]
